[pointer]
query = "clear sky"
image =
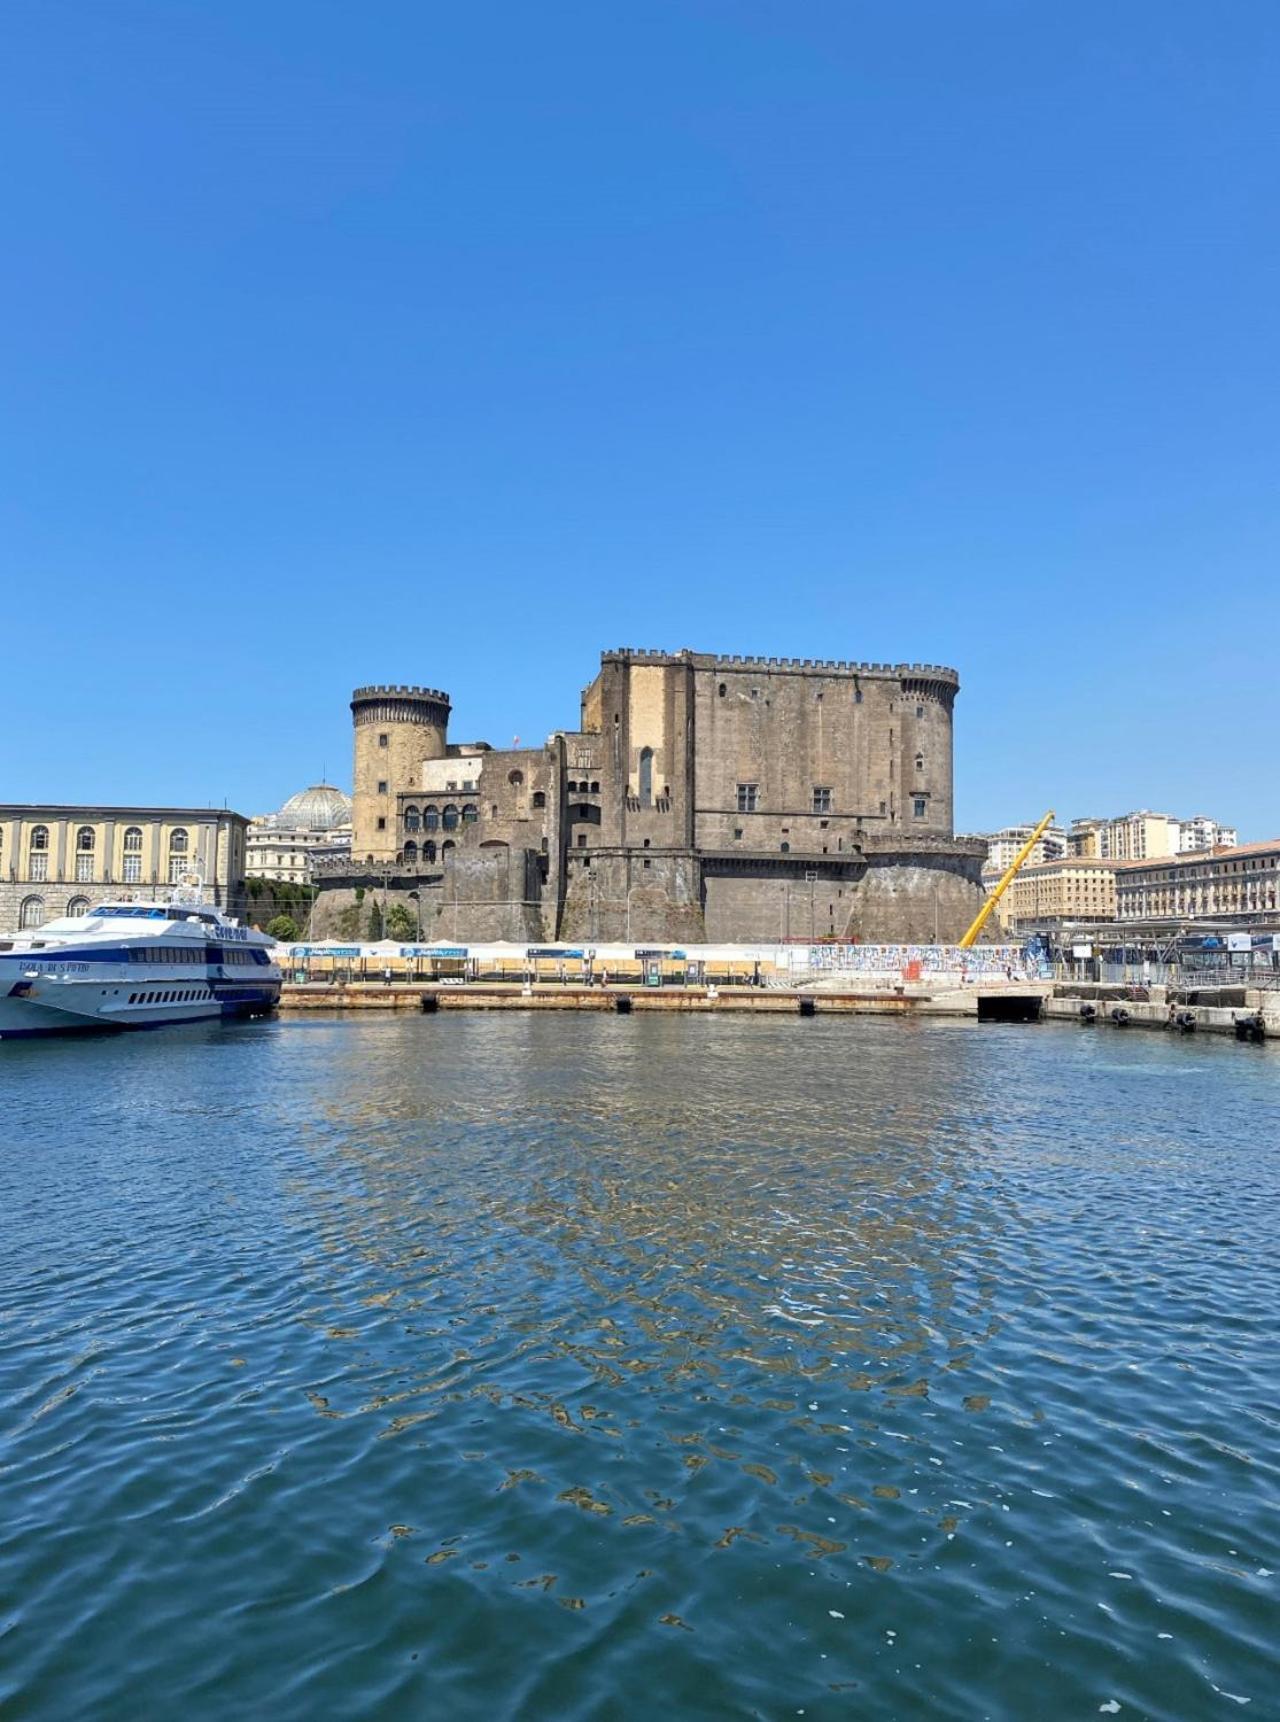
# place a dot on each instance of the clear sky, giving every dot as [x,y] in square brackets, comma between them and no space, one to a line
[453,343]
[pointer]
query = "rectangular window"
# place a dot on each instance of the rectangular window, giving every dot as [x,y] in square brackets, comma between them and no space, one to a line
[382,741]
[821,800]
[382,786]
[382,825]
[84,869]
[39,865]
[176,864]
[919,806]
[748,796]
[133,869]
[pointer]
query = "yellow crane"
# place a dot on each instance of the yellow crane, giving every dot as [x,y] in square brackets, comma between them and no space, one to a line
[971,937]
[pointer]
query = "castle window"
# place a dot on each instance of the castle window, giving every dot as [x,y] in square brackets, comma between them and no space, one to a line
[447,848]
[428,851]
[919,762]
[919,806]
[539,798]
[431,819]
[785,848]
[646,776]
[647,862]
[449,818]
[470,814]
[515,778]
[595,789]
[411,853]
[412,819]
[857,696]
[919,711]
[748,797]
[821,800]
[737,831]
[884,808]
[382,786]
[582,840]
[646,842]
[723,690]
[382,741]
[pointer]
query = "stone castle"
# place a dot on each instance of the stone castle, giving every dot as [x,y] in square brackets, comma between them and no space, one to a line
[701,799]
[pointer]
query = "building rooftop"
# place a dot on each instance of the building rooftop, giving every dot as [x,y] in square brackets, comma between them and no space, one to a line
[321,807]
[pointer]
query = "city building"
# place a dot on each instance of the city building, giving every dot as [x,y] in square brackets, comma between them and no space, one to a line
[1004,846]
[314,825]
[700,798]
[1059,893]
[1143,836]
[1236,883]
[1200,832]
[62,860]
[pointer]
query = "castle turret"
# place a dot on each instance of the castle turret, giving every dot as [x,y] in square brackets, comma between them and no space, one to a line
[396,729]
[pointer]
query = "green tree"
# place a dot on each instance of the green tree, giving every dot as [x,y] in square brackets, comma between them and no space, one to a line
[375,924]
[284,929]
[400,923]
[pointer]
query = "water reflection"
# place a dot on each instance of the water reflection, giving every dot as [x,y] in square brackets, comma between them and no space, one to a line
[570,1367]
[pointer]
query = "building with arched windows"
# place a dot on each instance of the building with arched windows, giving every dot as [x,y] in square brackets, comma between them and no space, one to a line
[701,797]
[63,860]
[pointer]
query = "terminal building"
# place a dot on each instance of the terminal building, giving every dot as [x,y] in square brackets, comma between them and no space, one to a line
[63,860]
[700,798]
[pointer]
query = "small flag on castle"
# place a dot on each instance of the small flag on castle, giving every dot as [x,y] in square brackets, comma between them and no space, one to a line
[515,741]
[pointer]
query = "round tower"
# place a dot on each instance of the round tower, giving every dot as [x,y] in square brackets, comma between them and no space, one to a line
[396,728]
[928,693]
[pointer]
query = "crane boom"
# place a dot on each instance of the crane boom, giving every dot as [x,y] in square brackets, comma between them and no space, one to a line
[984,914]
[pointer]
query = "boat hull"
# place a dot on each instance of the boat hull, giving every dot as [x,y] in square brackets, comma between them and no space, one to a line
[78,1008]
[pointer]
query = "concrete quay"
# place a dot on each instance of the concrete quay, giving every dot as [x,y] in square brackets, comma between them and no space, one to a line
[1246,1014]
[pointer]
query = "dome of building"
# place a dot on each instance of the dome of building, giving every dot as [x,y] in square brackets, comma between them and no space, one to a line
[319,808]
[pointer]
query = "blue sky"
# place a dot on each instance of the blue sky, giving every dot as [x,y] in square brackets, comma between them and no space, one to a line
[454,343]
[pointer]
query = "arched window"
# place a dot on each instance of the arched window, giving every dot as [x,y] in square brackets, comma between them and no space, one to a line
[78,906]
[133,840]
[132,870]
[447,848]
[595,789]
[411,853]
[40,837]
[786,848]
[470,814]
[85,837]
[646,776]
[428,851]
[919,762]
[515,778]
[412,819]
[431,820]
[179,842]
[31,914]
[449,818]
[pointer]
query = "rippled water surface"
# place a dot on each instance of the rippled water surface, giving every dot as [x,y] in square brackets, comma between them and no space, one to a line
[588,1367]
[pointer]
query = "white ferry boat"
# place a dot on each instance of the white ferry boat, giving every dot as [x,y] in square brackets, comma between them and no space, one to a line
[135,965]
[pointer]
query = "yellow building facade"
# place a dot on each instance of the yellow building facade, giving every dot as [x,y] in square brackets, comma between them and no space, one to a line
[57,860]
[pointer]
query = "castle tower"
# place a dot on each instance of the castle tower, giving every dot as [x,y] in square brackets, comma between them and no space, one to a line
[396,729]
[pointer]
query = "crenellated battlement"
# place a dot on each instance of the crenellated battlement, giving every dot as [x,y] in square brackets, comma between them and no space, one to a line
[398,691]
[791,666]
